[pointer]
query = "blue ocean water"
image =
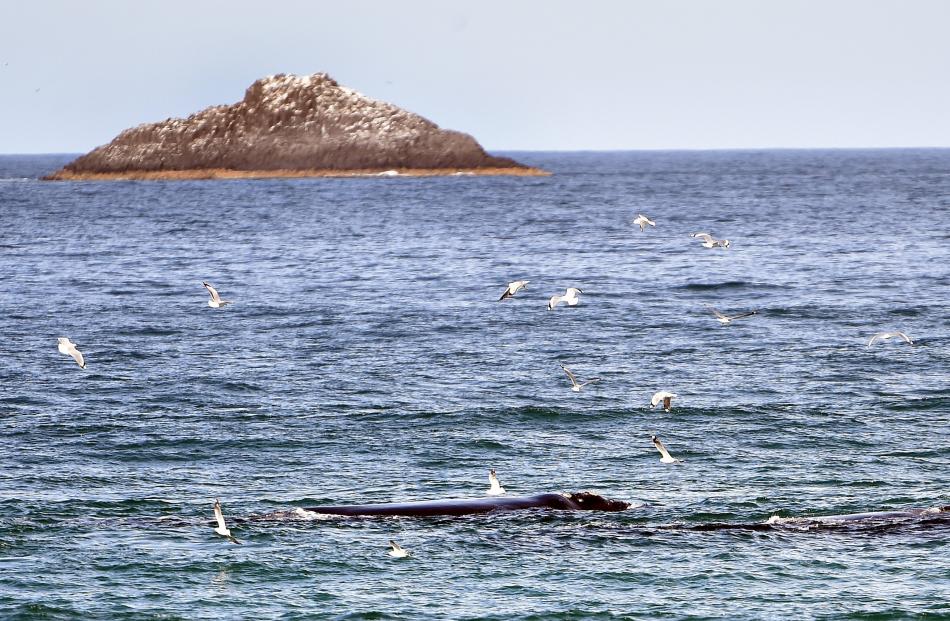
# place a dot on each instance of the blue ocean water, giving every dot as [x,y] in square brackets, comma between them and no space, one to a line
[366,358]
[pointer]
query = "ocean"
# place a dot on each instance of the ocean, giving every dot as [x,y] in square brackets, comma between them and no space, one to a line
[366,358]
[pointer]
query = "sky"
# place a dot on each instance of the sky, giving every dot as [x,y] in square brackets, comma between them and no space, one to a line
[517,75]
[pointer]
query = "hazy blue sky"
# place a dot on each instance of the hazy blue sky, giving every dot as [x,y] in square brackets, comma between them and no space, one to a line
[516,75]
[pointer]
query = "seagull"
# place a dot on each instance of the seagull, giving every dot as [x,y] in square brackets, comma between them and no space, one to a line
[643,221]
[880,336]
[222,528]
[397,550]
[496,489]
[570,296]
[69,348]
[726,319]
[215,301]
[513,288]
[574,385]
[665,456]
[664,396]
[710,242]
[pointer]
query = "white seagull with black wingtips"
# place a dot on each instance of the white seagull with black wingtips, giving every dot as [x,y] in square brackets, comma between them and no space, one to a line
[397,551]
[883,336]
[215,301]
[711,242]
[575,385]
[65,346]
[513,288]
[222,528]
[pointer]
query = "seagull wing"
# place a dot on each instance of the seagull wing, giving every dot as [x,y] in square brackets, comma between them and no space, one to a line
[740,316]
[554,301]
[666,402]
[705,236]
[506,294]
[77,356]
[717,313]
[592,380]
[218,515]
[570,375]
[665,454]
[212,291]
[905,337]
[878,337]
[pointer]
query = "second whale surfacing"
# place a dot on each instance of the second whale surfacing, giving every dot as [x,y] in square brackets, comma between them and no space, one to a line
[580,501]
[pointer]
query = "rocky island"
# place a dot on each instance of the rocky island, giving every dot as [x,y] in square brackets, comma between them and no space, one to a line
[290,126]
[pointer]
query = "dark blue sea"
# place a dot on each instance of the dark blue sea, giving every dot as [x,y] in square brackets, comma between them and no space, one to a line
[366,358]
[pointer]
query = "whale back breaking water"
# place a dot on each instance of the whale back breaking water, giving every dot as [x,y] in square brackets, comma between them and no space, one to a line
[366,358]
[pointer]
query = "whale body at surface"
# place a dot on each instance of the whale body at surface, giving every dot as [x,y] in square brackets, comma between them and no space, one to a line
[581,501]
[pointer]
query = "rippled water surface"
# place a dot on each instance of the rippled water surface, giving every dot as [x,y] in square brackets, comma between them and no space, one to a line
[366,358]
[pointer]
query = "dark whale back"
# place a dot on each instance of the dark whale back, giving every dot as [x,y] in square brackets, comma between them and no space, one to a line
[466,506]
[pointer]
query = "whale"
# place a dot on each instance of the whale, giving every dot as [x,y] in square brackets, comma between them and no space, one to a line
[579,501]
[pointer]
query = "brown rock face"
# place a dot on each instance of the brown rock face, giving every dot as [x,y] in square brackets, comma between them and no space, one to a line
[290,123]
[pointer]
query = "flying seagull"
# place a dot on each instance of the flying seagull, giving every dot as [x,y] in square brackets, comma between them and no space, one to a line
[215,301]
[665,396]
[570,297]
[397,550]
[726,319]
[643,221]
[710,242]
[575,386]
[513,288]
[69,348]
[496,489]
[880,336]
[665,456]
[222,528]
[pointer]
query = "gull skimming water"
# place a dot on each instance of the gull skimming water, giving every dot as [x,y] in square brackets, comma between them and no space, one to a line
[575,385]
[881,336]
[711,242]
[222,528]
[67,347]
[726,319]
[570,297]
[513,288]
[397,551]
[215,301]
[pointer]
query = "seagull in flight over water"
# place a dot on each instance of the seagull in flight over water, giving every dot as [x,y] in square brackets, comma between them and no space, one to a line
[222,528]
[570,296]
[215,301]
[726,319]
[881,336]
[665,456]
[666,397]
[496,489]
[67,347]
[397,550]
[513,288]
[643,221]
[575,386]
[711,242]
